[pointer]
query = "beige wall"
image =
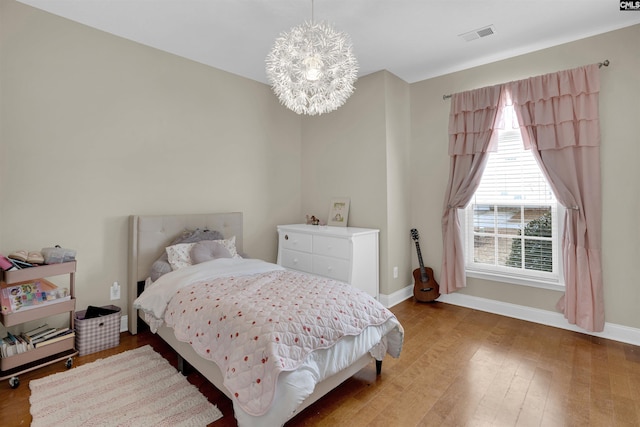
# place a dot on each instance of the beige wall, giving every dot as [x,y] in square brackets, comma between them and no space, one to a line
[95,128]
[398,135]
[361,151]
[344,155]
[620,153]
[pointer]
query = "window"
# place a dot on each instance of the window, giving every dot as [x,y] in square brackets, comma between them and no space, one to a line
[512,220]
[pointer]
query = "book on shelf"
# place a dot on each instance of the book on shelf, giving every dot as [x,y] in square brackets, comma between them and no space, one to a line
[17,343]
[55,333]
[8,347]
[36,330]
[20,264]
[22,344]
[6,264]
[63,336]
[30,294]
[39,335]
[49,334]
[29,336]
[14,344]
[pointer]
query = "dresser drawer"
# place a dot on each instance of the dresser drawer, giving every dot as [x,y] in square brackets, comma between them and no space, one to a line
[346,254]
[296,241]
[296,260]
[332,246]
[334,268]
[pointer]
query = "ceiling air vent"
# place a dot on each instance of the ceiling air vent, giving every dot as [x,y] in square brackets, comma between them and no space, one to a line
[476,34]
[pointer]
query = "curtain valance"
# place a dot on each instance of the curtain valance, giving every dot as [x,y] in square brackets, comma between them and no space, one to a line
[560,109]
[474,115]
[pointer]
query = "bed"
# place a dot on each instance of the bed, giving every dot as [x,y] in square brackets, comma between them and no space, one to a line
[282,395]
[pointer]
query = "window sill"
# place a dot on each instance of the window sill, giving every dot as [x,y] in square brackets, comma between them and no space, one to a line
[517,280]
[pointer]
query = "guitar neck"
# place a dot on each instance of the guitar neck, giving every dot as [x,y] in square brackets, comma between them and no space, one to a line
[423,271]
[419,255]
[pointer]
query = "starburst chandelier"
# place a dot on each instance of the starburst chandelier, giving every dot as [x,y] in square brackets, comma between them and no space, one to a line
[312,68]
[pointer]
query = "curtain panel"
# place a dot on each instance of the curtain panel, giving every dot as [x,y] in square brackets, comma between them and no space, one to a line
[473,118]
[559,121]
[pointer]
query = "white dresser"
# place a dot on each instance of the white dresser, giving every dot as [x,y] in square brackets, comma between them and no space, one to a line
[348,254]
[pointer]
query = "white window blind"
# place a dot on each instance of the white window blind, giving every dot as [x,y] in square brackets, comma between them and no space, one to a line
[512,174]
[512,225]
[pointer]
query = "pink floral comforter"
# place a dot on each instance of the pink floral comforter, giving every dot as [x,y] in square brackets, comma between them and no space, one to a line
[255,327]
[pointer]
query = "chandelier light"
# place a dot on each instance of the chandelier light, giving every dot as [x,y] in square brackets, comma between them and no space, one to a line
[312,68]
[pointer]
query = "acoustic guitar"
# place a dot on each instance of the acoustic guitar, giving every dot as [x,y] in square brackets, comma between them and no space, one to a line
[425,288]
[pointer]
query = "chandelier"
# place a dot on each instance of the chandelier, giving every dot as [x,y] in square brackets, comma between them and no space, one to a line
[312,68]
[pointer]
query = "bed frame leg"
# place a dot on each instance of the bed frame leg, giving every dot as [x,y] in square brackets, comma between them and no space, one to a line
[378,367]
[183,366]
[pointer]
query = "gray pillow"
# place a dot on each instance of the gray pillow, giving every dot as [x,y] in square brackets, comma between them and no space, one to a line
[161,266]
[207,250]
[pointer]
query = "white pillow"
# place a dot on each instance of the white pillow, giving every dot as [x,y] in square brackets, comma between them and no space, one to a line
[180,255]
[230,244]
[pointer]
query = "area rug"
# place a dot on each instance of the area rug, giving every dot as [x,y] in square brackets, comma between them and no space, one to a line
[135,388]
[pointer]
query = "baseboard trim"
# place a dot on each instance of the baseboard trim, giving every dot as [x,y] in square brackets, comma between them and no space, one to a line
[611,331]
[396,297]
[124,326]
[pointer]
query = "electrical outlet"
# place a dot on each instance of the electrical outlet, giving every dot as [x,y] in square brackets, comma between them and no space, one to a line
[115,291]
[395,272]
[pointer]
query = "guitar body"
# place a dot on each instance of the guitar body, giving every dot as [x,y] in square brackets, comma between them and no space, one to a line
[425,291]
[425,288]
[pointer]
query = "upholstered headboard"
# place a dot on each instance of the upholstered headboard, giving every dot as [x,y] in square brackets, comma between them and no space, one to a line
[150,234]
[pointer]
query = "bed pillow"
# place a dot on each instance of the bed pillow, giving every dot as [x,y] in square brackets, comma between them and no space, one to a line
[179,256]
[230,244]
[200,235]
[161,266]
[207,250]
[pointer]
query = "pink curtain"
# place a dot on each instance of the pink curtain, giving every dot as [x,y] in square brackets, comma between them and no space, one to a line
[559,121]
[473,117]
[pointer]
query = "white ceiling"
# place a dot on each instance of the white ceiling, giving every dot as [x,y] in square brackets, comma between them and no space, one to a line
[413,39]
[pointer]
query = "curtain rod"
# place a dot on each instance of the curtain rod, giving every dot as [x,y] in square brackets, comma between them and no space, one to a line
[604,63]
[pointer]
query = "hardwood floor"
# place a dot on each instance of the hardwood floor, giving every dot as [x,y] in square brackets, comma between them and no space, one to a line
[459,367]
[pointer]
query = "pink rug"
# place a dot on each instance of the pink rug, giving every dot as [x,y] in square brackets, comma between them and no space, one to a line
[135,388]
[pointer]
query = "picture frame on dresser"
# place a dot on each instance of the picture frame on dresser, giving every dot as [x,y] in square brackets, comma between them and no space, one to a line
[339,212]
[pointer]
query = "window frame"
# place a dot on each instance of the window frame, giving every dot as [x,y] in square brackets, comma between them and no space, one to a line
[545,280]
[539,279]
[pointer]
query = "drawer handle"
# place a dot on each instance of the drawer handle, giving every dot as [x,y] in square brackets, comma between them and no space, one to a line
[286,237]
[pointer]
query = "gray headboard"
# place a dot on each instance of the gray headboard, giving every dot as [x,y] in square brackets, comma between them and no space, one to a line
[150,234]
